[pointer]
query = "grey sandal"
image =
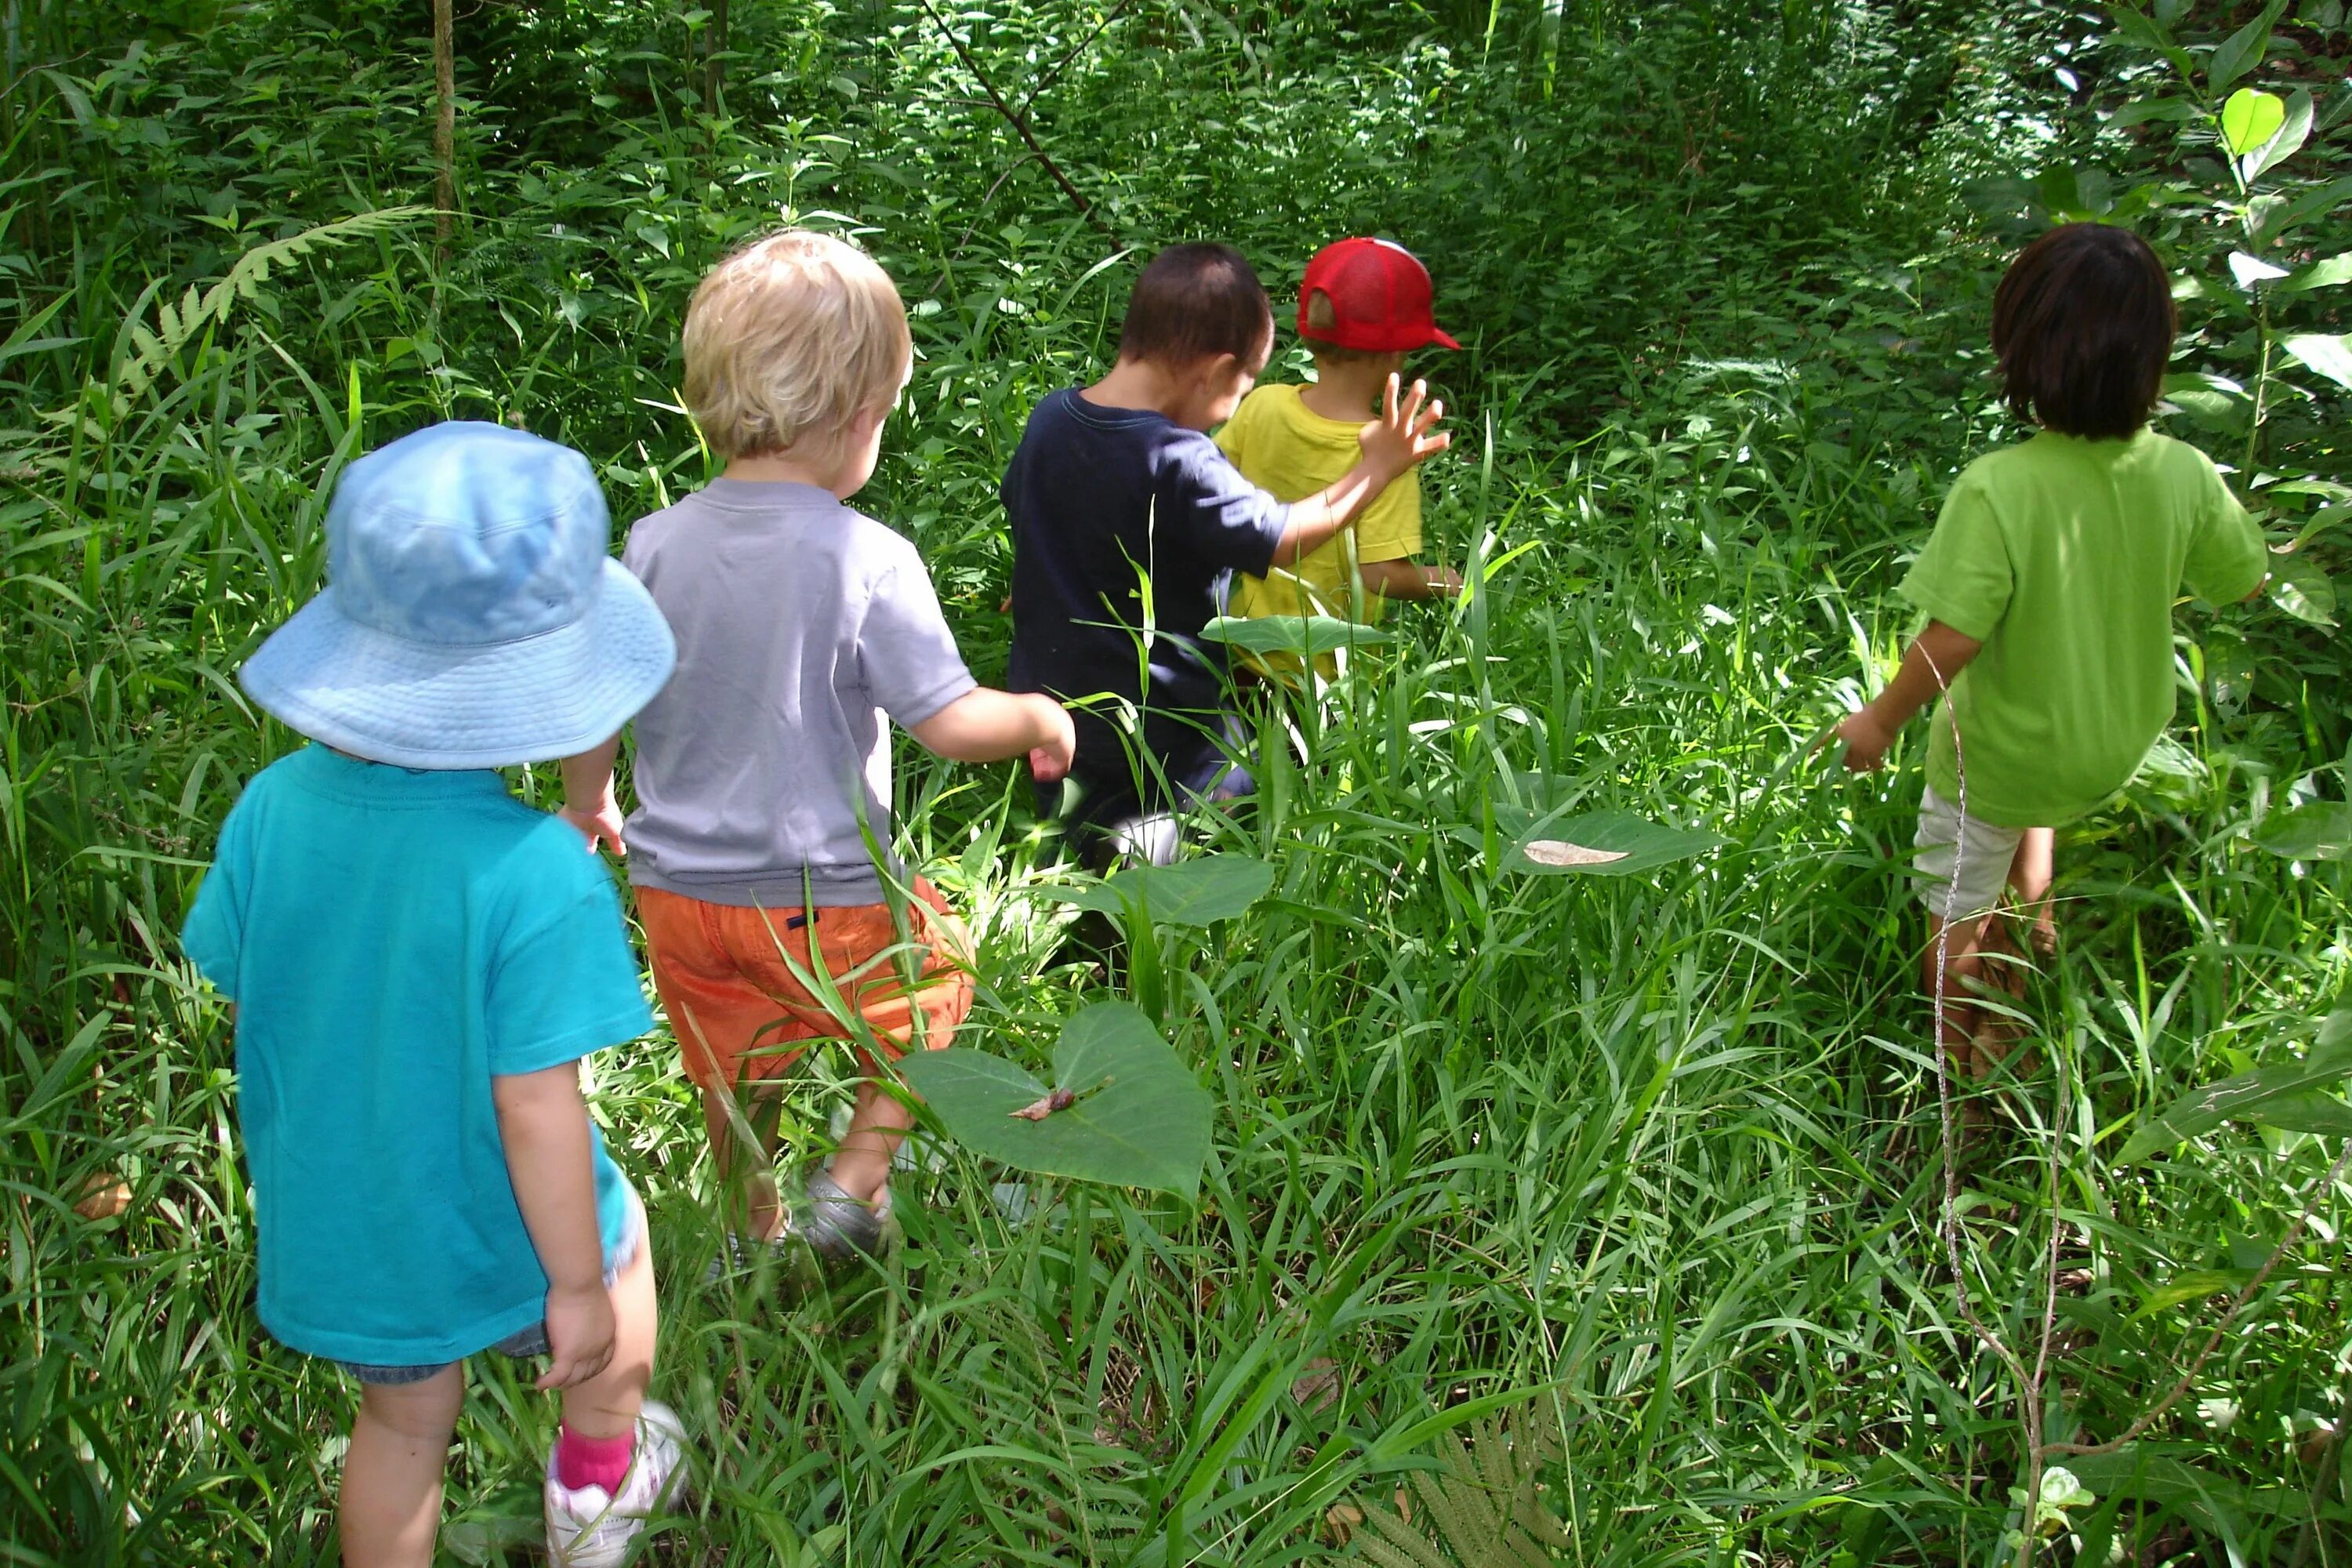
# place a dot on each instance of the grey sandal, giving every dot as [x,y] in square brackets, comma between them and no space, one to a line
[835,1225]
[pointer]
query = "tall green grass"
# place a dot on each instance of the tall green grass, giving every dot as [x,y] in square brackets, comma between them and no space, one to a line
[1649,1165]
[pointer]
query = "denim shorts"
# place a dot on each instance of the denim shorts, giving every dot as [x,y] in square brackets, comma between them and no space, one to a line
[523,1342]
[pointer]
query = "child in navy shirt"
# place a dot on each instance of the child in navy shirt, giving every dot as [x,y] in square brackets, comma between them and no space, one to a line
[1129,524]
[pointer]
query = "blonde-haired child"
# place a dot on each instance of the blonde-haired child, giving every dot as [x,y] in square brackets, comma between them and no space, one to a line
[801,626]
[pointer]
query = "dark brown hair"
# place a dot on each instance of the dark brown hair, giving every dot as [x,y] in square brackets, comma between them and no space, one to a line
[1322,318]
[1194,303]
[2082,328]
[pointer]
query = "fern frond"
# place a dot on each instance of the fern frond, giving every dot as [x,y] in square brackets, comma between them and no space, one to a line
[180,326]
[1481,1508]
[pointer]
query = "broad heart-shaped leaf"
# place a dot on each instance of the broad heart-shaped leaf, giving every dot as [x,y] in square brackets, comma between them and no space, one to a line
[2303,590]
[1313,636]
[2316,830]
[2250,118]
[1141,1119]
[1189,893]
[2321,352]
[2285,142]
[1641,843]
[2252,1096]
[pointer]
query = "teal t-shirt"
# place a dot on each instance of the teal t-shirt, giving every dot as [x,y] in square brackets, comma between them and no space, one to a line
[2063,557]
[395,939]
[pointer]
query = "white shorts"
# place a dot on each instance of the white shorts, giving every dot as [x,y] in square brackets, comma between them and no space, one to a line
[1983,850]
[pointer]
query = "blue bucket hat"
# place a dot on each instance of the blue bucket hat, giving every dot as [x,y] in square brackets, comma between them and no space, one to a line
[471,617]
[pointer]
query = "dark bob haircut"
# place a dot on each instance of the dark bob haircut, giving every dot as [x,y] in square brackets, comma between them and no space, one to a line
[2082,328]
[1194,303]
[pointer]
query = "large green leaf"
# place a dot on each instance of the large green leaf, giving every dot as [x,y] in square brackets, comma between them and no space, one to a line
[2301,587]
[1189,893]
[2316,830]
[2283,1093]
[1604,844]
[2323,352]
[1139,1119]
[2283,143]
[2240,52]
[2252,118]
[2325,274]
[1310,635]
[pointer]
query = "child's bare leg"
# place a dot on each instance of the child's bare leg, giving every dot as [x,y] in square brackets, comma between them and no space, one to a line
[391,1505]
[606,1404]
[747,1170]
[862,1164]
[2030,873]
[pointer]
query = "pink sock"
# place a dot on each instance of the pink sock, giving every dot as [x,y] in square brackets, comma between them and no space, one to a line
[593,1461]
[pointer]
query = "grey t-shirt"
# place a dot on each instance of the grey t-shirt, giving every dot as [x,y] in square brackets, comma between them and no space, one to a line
[800,624]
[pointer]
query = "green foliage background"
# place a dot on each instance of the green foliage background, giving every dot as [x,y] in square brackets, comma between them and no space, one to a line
[1651,1162]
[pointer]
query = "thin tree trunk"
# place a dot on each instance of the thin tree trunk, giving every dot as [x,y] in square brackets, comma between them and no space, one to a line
[714,70]
[445,120]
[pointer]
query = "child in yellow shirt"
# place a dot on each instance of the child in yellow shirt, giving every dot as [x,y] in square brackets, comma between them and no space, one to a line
[1364,305]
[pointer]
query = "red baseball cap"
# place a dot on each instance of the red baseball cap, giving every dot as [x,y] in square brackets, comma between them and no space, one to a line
[1380,294]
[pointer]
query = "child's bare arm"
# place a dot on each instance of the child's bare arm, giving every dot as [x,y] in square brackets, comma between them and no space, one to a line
[1393,444]
[985,725]
[589,804]
[544,1128]
[1409,580]
[1935,658]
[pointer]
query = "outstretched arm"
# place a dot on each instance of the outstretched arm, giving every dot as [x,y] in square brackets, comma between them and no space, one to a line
[545,1128]
[1935,658]
[985,725]
[1409,580]
[1391,444]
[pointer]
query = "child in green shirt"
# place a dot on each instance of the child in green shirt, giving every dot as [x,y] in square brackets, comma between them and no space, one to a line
[2048,587]
[1364,305]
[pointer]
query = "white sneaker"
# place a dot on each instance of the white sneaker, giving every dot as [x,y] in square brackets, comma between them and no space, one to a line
[587,1529]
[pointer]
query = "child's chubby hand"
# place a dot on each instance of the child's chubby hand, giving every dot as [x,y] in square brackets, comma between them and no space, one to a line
[1401,436]
[1050,759]
[1866,741]
[599,822]
[580,1333]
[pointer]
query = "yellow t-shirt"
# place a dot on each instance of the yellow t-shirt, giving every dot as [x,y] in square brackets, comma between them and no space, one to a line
[1281,445]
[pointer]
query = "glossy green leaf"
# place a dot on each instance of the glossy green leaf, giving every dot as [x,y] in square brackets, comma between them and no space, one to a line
[2194,1285]
[2320,275]
[2328,355]
[2302,587]
[1312,636]
[2244,1096]
[2240,53]
[2283,143]
[2316,830]
[1139,1118]
[1189,893]
[2250,119]
[1604,844]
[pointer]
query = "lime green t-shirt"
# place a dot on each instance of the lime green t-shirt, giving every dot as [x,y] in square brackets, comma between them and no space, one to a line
[2063,557]
[1281,445]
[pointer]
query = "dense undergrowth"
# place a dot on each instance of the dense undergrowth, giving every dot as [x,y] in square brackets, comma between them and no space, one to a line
[1651,1167]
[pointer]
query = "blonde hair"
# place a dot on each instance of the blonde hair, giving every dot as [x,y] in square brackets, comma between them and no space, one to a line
[1322,318]
[790,338]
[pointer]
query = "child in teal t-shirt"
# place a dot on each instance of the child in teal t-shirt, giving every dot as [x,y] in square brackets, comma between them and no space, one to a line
[417,962]
[2048,588]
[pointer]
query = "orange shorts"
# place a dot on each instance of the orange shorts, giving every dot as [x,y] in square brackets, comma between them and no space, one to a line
[741,1013]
